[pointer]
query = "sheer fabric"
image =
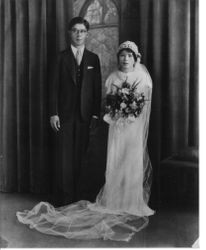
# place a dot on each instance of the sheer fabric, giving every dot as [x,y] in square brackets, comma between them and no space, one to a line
[121,206]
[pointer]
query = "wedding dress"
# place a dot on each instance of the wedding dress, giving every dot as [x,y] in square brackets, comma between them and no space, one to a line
[121,206]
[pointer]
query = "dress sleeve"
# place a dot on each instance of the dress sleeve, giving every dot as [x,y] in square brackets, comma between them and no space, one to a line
[108,83]
[144,82]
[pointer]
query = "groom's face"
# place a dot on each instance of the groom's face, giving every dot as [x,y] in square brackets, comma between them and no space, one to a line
[78,34]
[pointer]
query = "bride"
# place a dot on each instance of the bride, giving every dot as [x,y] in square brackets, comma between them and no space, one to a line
[121,206]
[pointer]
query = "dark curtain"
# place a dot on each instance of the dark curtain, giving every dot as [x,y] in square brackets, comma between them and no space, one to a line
[32,31]
[166,32]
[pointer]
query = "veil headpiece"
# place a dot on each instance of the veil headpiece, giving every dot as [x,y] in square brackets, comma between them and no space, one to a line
[129,45]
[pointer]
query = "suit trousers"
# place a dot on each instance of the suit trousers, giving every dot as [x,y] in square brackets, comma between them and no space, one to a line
[71,146]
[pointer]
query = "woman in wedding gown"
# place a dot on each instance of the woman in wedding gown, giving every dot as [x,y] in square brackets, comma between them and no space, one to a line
[121,206]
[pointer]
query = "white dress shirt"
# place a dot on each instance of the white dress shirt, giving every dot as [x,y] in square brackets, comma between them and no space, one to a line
[74,50]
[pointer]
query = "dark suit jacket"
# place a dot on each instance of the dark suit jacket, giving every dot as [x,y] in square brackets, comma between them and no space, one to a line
[63,84]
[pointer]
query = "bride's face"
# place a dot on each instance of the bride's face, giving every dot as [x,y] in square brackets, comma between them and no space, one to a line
[126,61]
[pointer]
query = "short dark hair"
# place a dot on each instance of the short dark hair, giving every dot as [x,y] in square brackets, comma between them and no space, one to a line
[78,20]
[128,50]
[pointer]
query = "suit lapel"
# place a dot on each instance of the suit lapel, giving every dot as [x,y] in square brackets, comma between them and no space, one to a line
[70,61]
[85,64]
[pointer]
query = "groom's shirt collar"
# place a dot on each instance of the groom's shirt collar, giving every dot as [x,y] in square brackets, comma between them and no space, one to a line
[74,50]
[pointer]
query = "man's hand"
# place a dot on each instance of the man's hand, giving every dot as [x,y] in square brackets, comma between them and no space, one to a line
[94,123]
[55,122]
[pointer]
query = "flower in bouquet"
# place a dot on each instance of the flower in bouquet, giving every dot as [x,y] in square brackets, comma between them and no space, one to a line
[125,103]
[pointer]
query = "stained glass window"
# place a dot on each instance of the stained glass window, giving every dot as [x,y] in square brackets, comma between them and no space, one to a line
[94,13]
[101,12]
[111,15]
[103,34]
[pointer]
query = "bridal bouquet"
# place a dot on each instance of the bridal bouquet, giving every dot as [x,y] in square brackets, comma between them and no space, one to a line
[125,104]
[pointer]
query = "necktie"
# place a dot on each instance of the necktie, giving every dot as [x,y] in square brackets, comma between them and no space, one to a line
[78,57]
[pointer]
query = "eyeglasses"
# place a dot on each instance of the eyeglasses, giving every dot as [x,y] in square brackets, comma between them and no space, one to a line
[76,31]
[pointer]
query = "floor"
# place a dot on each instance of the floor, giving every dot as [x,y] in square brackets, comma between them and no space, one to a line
[167,228]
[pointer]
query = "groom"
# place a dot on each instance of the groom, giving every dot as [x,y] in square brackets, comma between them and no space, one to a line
[75,101]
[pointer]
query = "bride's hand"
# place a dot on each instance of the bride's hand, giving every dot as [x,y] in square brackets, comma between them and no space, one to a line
[107,118]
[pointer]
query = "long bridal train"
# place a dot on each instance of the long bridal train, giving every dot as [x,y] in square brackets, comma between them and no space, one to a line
[82,220]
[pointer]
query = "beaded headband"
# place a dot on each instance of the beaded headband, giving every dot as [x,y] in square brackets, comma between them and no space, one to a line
[129,45]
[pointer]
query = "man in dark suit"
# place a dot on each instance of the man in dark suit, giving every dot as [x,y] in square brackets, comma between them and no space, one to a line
[75,103]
